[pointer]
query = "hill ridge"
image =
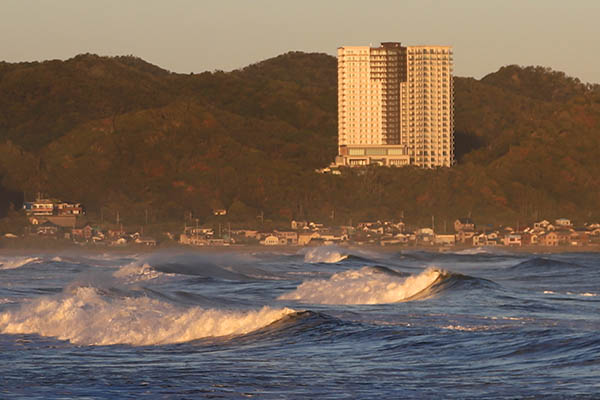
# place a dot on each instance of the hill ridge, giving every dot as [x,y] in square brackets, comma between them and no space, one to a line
[250,140]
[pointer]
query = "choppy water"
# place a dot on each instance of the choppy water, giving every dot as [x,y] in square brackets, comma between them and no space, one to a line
[321,323]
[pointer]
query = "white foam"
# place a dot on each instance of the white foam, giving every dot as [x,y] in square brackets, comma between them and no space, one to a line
[472,251]
[467,328]
[17,262]
[364,286]
[86,317]
[134,272]
[587,294]
[326,254]
[513,318]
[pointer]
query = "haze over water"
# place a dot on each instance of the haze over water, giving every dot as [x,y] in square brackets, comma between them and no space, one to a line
[324,322]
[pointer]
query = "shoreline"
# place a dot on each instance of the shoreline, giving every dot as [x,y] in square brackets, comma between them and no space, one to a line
[18,246]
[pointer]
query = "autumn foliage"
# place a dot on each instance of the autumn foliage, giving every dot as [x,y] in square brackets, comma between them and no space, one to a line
[119,134]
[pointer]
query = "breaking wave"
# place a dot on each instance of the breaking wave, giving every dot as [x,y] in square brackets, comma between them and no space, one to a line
[367,285]
[17,262]
[87,316]
[134,273]
[329,255]
[333,254]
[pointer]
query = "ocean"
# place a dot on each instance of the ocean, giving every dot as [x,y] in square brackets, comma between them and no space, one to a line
[315,323]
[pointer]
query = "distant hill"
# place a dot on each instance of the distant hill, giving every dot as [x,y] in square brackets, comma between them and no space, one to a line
[117,133]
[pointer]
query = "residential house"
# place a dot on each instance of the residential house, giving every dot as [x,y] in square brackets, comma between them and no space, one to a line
[63,208]
[564,236]
[493,239]
[465,236]
[445,240]
[464,224]
[146,241]
[563,223]
[480,239]
[529,238]
[47,229]
[58,212]
[297,225]
[289,237]
[330,236]
[543,225]
[580,237]
[315,226]
[194,240]
[39,207]
[371,227]
[248,233]
[272,240]
[425,236]
[513,239]
[548,239]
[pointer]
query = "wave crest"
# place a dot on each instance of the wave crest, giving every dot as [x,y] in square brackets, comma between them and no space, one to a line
[543,264]
[329,255]
[367,285]
[18,262]
[135,272]
[87,317]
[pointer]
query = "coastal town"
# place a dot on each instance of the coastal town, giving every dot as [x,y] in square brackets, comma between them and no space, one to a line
[67,222]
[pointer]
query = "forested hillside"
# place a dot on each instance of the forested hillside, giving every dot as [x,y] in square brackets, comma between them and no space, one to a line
[119,134]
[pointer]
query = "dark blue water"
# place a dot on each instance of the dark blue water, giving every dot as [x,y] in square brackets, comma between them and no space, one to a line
[319,323]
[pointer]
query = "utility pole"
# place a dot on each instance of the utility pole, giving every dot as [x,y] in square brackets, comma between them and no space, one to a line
[433,223]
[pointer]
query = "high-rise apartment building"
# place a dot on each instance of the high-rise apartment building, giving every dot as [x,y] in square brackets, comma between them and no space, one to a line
[395,105]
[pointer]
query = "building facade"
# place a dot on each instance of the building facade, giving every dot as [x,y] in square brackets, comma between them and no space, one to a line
[395,105]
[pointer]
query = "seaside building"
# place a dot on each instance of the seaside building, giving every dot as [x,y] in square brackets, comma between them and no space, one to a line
[52,210]
[395,105]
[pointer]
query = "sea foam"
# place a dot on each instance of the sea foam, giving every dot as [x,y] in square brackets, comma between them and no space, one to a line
[86,316]
[18,262]
[364,286]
